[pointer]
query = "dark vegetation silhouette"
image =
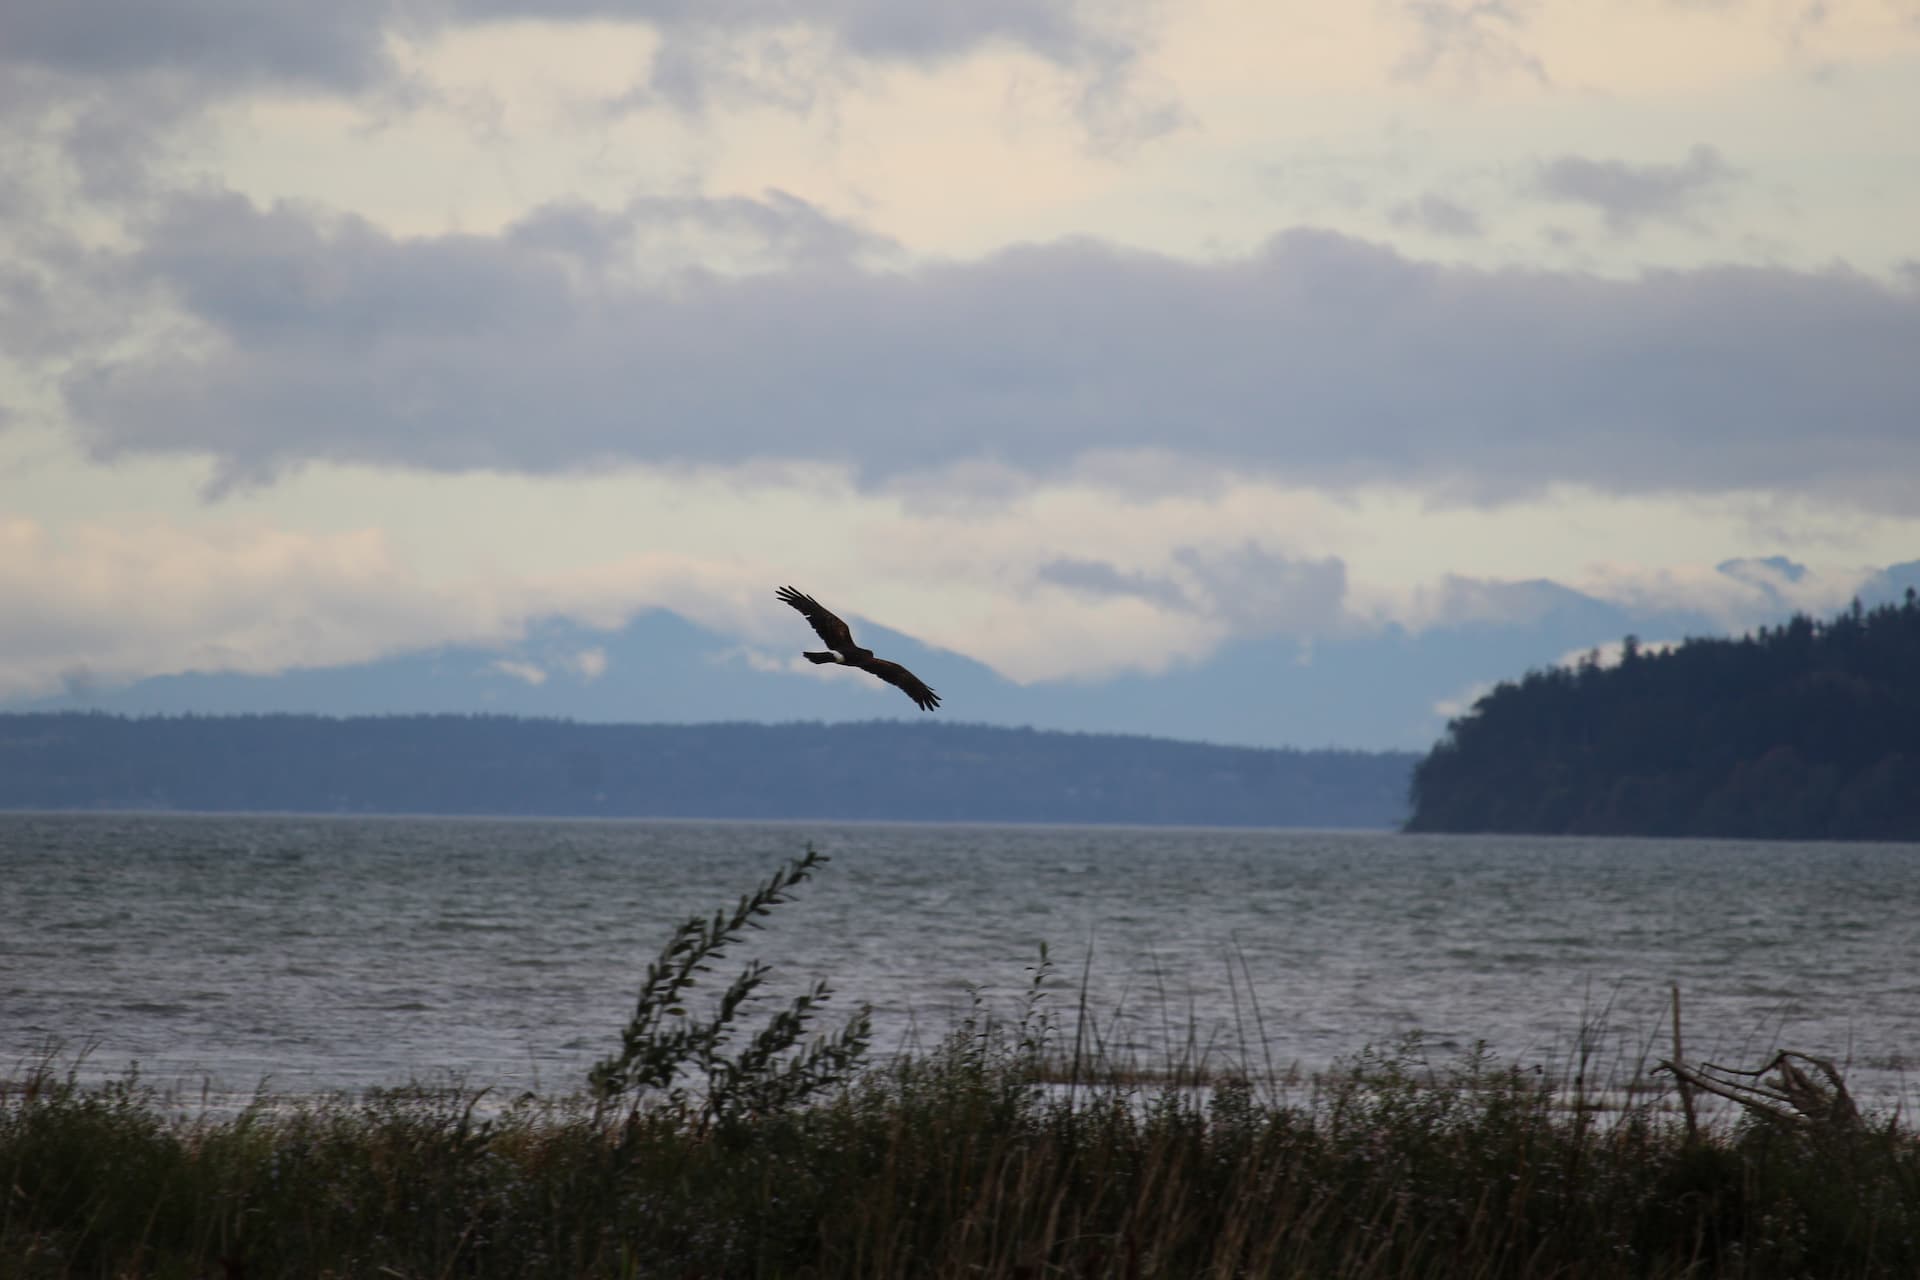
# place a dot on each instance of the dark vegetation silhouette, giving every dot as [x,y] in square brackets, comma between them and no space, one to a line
[1809,730]
[446,764]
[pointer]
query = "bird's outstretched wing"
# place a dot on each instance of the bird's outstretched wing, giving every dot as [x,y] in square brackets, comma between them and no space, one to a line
[898,676]
[828,626]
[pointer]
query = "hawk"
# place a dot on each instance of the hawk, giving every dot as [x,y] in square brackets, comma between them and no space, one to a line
[839,638]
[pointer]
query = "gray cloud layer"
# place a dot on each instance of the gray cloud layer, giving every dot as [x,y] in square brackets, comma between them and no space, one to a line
[1251,590]
[341,45]
[237,42]
[1439,216]
[1097,578]
[1319,356]
[105,82]
[1630,195]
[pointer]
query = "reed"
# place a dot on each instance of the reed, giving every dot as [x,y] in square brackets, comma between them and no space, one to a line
[688,1062]
[1008,1148]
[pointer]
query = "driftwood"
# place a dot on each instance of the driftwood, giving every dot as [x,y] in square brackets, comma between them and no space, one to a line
[1801,1089]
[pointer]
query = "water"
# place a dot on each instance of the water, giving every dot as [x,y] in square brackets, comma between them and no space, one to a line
[336,953]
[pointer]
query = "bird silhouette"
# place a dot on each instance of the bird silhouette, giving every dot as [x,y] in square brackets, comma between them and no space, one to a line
[839,638]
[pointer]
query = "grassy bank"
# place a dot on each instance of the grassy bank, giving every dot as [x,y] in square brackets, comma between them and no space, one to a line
[952,1164]
[1008,1149]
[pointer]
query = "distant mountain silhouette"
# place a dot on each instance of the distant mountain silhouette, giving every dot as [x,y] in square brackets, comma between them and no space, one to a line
[659,668]
[1381,688]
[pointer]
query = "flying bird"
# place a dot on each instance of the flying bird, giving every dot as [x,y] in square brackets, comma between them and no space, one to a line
[839,638]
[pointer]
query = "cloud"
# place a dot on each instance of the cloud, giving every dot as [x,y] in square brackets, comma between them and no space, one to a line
[693,70]
[1059,30]
[102,603]
[1771,586]
[1471,42]
[95,604]
[1629,196]
[1317,357]
[221,47]
[1438,216]
[777,228]
[1246,588]
[589,664]
[1768,573]
[1089,640]
[241,43]
[1255,590]
[1458,600]
[1099,579]
[1736,594]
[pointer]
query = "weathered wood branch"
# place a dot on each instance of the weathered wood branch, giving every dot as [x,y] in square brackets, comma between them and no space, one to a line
[1784,1090]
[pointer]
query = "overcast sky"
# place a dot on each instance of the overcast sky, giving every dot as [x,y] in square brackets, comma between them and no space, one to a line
[1076,336]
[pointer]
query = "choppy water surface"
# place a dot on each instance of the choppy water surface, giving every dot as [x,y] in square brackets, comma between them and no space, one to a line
[321,953]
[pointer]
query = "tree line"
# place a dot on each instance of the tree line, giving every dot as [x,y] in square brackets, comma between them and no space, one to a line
[458,764]
[1807,730]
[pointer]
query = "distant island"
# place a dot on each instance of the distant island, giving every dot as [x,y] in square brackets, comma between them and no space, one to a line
[504,765]
[1809,730]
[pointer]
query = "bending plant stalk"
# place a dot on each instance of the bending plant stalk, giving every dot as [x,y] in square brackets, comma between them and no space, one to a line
[664,1046]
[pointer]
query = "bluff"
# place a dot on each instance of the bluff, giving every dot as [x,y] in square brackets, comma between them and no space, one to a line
[455,764]
[1809,730]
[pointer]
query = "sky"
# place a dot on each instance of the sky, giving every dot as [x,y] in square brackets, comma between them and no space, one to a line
[1080,337]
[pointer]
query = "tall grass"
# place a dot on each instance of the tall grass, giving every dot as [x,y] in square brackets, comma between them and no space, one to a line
[1002,1150]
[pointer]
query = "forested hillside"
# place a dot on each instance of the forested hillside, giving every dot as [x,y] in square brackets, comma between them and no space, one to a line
[450,764]
[1810,730]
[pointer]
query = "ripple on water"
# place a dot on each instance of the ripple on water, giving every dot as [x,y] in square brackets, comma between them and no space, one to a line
[348,952]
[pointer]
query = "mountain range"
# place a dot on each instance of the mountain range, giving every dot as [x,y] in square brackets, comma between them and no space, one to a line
[1380,688]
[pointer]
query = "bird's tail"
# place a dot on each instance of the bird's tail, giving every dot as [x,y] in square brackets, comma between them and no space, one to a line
[820,657]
